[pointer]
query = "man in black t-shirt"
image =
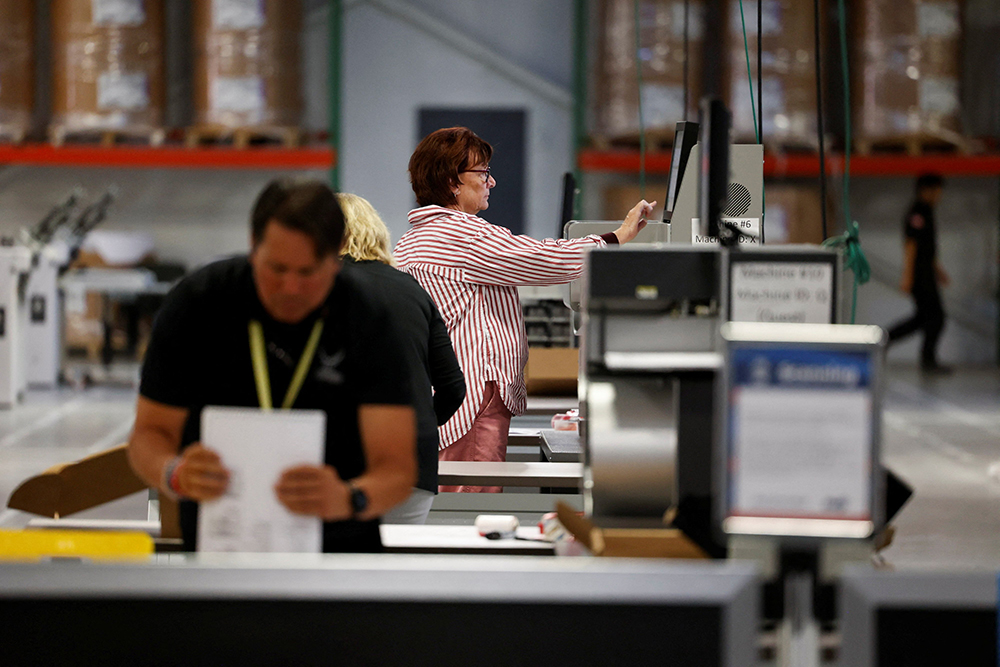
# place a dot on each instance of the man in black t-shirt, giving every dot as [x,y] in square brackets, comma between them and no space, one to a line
[206,350]
[922,273]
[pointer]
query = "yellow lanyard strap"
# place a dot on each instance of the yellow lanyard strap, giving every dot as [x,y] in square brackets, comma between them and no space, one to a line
[260,374]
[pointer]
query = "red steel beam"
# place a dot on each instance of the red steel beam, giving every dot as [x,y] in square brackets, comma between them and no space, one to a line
[807,166]
[167,157]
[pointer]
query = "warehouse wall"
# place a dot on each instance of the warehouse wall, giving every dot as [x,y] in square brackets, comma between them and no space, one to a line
[392,68]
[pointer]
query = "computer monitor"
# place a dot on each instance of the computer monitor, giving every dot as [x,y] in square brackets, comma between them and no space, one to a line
[685,137]
[381,609]
[568,201]
[917,619]
[801,415]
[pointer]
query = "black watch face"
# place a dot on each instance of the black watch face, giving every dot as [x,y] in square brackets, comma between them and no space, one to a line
[359,501]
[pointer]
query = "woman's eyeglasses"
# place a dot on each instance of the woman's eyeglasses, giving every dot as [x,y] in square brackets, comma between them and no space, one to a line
[485,172]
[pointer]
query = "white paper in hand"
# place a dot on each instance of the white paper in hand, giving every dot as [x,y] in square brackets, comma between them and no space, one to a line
[257,446]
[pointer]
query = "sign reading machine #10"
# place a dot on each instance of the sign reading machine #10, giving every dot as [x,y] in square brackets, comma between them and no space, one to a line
[762,291]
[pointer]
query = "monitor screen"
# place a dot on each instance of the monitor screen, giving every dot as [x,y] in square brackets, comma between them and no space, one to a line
[917,618]
[685,137]
[380,609]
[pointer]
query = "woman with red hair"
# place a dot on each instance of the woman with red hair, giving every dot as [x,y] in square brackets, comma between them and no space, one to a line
[472,269]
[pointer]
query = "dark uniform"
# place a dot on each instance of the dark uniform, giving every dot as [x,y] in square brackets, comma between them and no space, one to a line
[199,355]
[919,226]
[430,358]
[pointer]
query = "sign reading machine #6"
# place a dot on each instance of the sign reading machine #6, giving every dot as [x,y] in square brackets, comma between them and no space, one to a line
[781,292]
[800,434]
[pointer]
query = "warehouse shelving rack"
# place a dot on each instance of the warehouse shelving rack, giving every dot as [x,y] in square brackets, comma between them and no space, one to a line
[317,157]
[587,160]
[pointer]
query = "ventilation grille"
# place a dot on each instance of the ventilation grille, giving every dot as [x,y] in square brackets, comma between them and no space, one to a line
[739,201]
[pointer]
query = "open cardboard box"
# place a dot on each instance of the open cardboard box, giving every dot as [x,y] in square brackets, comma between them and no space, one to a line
[552,371]
[72,487]
[628,542]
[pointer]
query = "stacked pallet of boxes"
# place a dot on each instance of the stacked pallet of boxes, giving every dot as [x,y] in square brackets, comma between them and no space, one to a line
[247,69]
[108,69]
[793,215]
[16,68]
[661,39]
[788,73]
[906,74]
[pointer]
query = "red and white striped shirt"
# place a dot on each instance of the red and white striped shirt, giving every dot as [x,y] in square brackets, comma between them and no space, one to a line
[471,269]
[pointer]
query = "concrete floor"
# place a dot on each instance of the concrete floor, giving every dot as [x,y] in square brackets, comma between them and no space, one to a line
[942,435]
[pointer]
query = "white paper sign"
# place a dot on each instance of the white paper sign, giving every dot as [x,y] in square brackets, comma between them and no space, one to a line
[237,14]
[257,446]
[118,12]
[238,94]
[799,292]
[118,90]
[938,19]
[665,103]
[939,95]
[748,226]
[802,453]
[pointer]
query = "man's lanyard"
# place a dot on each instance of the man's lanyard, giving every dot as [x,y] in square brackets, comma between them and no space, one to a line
[260,374]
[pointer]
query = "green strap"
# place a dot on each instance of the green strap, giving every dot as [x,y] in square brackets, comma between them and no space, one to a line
[260,374]
[854,259]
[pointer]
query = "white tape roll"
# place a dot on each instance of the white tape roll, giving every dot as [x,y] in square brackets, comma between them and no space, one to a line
[503,525]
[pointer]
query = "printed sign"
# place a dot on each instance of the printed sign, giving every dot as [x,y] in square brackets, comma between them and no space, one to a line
[238,94]
[237,14]
[800,439]
[118,12]
[748,227]
[119,90]
[799,292]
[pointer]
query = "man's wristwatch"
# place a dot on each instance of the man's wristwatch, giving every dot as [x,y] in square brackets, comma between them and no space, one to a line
[359,499]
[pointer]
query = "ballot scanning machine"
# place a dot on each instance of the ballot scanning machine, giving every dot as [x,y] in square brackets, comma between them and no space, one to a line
[52,244]
[42,314]
[651,313]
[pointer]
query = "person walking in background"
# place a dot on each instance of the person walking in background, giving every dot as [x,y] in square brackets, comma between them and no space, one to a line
[472,269]
[922,273]
[425,345]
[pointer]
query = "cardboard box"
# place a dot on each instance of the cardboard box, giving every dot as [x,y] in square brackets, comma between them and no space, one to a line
[788,74]
[628,542]
[17,67]
[552,371]
[108,70]
[68,488]
[906,74]
[619,199]
[616,89]
[793,214]
[247,73]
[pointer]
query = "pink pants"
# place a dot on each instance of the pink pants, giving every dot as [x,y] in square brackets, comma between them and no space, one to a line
[485,441]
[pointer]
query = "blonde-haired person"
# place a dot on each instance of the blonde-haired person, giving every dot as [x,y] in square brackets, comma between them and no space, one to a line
[430,357]
[367,237]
